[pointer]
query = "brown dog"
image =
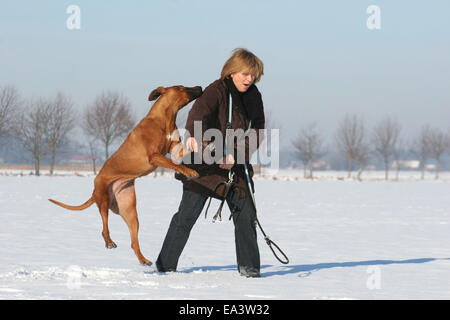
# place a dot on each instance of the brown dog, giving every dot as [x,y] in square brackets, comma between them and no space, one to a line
[142,152]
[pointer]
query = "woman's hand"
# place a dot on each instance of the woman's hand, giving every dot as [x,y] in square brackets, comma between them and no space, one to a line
[191,144]
[228,162]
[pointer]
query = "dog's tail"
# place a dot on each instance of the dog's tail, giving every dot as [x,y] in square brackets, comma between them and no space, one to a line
[80,207]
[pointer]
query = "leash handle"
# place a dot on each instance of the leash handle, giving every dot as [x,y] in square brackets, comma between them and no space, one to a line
[270,243]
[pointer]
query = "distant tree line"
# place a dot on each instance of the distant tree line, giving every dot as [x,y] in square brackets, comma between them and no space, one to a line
[358,144]
[42,125]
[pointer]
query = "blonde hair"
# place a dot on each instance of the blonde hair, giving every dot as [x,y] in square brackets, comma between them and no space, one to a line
[243,61]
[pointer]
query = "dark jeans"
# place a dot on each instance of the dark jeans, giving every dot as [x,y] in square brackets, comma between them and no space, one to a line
[244,218]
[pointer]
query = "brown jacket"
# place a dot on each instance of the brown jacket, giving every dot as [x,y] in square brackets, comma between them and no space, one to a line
[212,109]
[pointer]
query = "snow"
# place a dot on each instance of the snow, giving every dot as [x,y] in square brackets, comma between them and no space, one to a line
[345,239]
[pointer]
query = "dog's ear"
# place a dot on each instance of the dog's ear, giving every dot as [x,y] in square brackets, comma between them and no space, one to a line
[156,93]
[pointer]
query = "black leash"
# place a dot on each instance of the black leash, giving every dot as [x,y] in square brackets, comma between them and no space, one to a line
[228,184]
[269,242]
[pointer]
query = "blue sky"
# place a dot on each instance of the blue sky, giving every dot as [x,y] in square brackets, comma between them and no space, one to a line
[321,61]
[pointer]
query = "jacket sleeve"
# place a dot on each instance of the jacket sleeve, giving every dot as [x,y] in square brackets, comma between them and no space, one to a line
[203,109]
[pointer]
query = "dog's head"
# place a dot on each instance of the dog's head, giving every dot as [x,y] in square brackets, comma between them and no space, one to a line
[179,95]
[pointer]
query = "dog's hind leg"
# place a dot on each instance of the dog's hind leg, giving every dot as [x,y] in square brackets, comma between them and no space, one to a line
[105,232]
[125,196]
[130,217]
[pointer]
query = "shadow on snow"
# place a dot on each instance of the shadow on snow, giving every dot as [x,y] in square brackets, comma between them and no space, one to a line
[305,270]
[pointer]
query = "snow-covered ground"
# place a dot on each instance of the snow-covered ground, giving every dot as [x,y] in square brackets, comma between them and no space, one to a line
[345,240]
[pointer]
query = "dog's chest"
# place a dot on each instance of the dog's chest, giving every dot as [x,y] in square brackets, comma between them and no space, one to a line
[172,136]
[169,139]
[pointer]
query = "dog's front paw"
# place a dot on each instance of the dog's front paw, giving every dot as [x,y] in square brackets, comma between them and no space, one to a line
[189,173]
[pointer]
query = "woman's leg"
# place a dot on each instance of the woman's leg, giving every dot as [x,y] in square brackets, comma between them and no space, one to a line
[244,218]
[191,206]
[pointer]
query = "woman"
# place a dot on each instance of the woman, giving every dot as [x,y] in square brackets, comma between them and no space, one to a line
[238,77]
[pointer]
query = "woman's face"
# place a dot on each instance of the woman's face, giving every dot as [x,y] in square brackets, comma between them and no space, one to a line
[242,80]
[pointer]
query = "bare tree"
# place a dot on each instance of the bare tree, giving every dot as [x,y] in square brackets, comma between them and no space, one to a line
[438,144]
[32,130]
[350,138]
[397,155]
[309,145]
[421,148]
[61,121]
[9,103]
[362,156]
[108,119]
[385,137]
[304,158]
[93,155]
